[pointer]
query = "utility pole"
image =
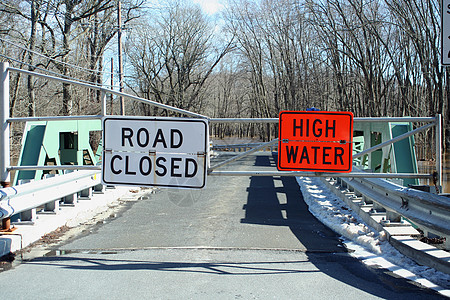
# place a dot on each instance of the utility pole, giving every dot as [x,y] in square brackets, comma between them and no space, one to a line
[112,86]
[119,37]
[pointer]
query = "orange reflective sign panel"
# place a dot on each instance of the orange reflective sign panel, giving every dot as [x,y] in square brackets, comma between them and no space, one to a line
[318,141]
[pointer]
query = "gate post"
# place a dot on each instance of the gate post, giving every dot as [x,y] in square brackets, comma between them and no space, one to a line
[4,129]
[439,152]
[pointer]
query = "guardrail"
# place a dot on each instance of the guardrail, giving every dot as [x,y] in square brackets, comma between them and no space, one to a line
[430,212]
[48,194]
[415,222]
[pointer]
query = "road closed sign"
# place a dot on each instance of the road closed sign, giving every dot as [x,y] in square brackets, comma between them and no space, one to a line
[318,141]
[163,152]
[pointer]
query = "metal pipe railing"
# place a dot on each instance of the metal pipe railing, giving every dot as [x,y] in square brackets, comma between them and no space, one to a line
[439,169]
[95,87]
[320,174]
[51,168]
[355,119]
[34,119]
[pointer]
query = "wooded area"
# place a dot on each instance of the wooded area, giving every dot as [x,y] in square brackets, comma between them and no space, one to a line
[254,59]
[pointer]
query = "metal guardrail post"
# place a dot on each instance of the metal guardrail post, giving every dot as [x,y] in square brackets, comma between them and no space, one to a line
[28,215]
[69,199]
[52,206]
[85,194]
[98,189]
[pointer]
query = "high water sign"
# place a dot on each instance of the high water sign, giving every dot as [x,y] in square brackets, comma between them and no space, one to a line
[165,152]
[319,141]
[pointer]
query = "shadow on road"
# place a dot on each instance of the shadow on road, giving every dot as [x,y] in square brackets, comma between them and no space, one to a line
[278,201]
[339,267]
[224,268]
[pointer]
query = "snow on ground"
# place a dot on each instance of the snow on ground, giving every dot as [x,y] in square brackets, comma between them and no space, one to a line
[368,245]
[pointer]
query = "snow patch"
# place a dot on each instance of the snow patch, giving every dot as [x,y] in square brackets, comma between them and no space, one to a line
[368,245]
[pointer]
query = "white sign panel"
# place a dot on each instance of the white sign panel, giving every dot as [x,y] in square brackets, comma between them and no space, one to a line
[166,152]
[445,32]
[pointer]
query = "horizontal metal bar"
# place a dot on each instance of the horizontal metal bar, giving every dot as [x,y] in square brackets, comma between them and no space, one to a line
[394,119]
[356,120]
[243,120]
[391,141]
[95,87]
[220,120]
[87,85]
[318,174]
[61,118]
[251,173]
[64,167]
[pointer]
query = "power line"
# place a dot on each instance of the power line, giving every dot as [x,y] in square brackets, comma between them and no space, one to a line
[54,73]
[52,8]
[54,60]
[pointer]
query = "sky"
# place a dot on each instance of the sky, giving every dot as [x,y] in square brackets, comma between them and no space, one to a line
[210,7]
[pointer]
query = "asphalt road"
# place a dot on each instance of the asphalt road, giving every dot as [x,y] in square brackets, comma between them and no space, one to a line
[240,238]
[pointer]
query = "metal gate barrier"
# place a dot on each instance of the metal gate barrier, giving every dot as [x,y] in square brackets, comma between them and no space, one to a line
[438,207]
[5,120]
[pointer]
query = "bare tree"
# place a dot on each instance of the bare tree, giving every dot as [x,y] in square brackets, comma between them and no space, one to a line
[97,31]
[372,57]
[172,56]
